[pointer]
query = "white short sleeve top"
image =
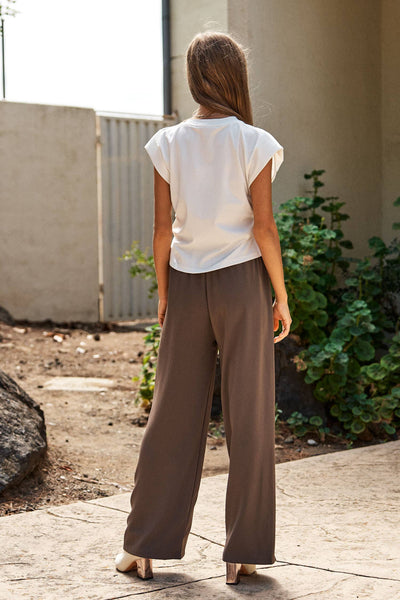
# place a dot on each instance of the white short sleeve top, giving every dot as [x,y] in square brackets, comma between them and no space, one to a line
[210,165]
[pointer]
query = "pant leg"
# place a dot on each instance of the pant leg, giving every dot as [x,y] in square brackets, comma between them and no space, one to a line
[170,462]
[240,303]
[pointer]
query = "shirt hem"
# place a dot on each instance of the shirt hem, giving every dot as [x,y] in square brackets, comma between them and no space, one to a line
[237,261]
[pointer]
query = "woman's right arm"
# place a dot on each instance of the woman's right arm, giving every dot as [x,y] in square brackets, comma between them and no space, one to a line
[266,235]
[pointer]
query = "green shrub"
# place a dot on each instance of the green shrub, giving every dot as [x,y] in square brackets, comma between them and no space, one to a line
[145,393]
[142,264]
[300,425]
[339,312]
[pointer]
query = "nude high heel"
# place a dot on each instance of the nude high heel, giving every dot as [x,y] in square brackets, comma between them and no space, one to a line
[130,562]
[234,570]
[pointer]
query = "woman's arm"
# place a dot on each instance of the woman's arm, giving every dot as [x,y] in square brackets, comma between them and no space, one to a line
[162,236]
[266,235]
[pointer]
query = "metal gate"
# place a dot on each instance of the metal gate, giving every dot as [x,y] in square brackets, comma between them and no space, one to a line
[125,211]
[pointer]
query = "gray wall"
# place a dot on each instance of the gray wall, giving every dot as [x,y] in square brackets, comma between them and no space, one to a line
[325,81]
[390,111]
[48,212]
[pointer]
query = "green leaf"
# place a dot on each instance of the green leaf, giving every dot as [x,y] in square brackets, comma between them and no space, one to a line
[313,374]
[320,300]
[321,318]
[335,410]
[333,383]
[358,305]
[389,428]
[391,403]
[346,244]
[371,276]
[301,430]
[347,321]
[341,334]
[363,350]
[366,417]
[375,371]
[386,413]
[328,234]
[390,362]
[306,293]
[356,330]
[353,368]
[376,243]
[334,346]
[320,358]
[341,359]
[315,420]
[346,417]
[357,427]
[352,282]
[348,296]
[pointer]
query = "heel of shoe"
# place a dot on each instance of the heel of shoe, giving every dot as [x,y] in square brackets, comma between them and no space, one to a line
[232,573]
[145,568]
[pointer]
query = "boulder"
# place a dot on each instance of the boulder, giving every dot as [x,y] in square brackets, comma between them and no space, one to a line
[5,316]
[22,433]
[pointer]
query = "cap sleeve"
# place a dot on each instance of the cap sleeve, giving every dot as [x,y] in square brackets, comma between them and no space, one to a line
[266,147]
[157,149]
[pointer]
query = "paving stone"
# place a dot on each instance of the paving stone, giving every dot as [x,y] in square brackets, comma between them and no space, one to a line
[78,384]
[337,539]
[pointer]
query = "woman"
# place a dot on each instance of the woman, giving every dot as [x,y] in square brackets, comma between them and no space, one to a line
[214,284]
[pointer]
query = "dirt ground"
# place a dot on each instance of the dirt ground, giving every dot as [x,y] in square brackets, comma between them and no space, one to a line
[94,437]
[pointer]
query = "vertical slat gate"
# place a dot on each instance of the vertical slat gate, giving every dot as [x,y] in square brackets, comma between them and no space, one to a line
[126,205]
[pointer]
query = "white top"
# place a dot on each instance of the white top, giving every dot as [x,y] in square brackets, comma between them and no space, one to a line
[210,165]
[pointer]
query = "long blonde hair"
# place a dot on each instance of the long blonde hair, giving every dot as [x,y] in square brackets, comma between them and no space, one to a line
[216,67]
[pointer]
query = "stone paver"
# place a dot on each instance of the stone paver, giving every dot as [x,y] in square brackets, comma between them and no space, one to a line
[78,384]
[337,538]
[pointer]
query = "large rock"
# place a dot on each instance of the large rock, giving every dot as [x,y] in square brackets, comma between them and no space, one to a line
[5,316]
[22,433]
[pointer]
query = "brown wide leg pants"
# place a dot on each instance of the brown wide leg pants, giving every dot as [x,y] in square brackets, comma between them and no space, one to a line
[230,309]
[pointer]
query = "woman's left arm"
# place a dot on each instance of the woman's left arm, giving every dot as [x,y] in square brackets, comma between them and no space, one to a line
[162,236]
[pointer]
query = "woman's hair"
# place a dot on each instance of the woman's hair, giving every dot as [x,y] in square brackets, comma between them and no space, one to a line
[217,74]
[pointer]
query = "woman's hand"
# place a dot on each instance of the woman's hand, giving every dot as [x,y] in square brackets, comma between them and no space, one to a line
[162,308]
[281,313]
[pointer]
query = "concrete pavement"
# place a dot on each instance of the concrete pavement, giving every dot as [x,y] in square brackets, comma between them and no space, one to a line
[338,526]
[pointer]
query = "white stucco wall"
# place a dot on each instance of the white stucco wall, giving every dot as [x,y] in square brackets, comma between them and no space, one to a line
[48,212]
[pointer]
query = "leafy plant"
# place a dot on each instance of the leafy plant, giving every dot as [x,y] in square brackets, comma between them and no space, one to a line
[142,264]
[300,425]
[217,429]
[343,327]
[148,370]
